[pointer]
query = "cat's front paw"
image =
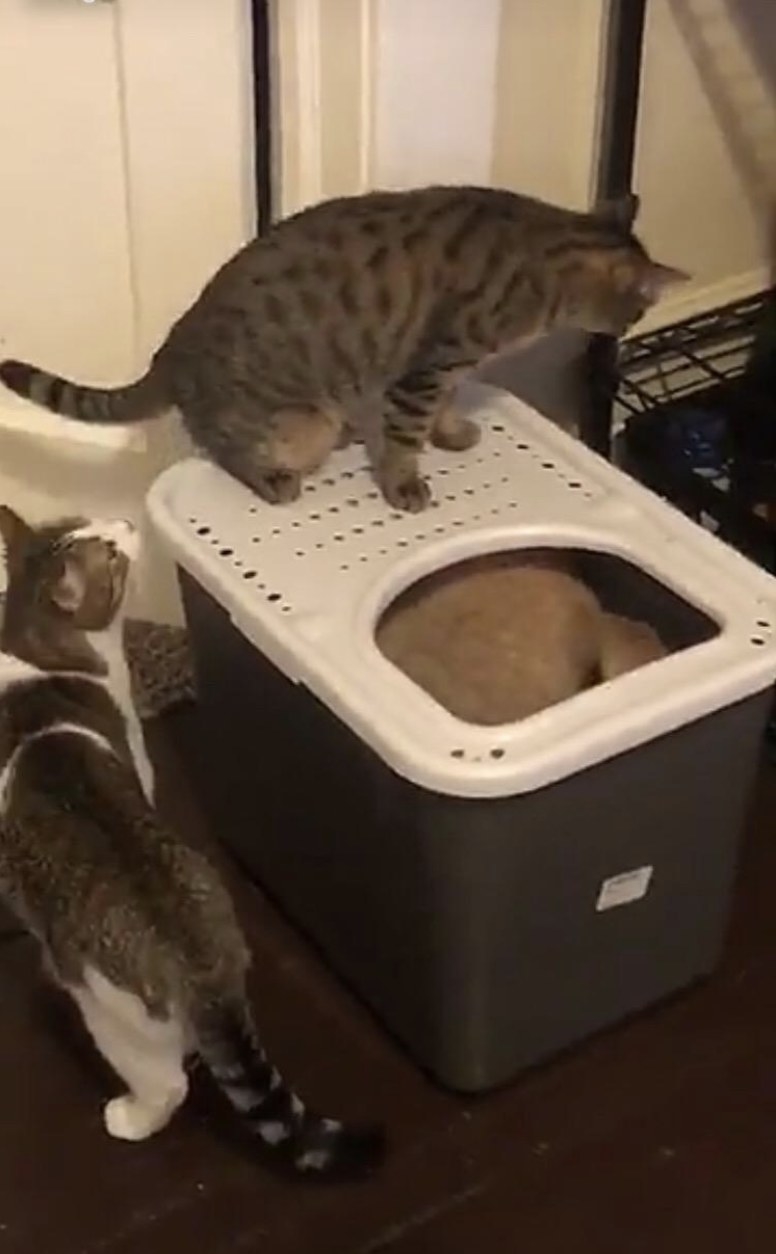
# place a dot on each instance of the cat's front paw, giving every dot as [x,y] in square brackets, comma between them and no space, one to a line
[409,493]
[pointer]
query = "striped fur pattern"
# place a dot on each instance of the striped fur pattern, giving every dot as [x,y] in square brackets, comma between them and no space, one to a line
[359,316]
[134,923]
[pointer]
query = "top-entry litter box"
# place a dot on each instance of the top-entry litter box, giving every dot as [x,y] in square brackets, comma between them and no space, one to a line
[494,892]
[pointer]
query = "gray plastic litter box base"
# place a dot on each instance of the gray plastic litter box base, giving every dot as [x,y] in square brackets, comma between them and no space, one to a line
[473,927]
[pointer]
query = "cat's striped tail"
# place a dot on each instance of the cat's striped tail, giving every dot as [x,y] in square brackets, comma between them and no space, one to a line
[269,1111]
[133,403]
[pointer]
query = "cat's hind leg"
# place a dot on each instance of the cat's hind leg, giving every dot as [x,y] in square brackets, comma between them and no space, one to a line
[295,442]
[147,1053]
[450,430]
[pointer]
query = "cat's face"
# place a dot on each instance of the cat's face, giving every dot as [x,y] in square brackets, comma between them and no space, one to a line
[619,286]
[75,569]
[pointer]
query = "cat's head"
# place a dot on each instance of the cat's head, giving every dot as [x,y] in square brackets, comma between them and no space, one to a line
[73,572]
[615,282]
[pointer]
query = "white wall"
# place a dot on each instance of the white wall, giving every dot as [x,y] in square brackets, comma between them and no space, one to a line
[127,147]
[507,91]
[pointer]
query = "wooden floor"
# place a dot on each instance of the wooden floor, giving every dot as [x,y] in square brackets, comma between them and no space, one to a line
[659,1137]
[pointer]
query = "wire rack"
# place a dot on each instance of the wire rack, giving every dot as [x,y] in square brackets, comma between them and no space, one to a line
[696,405]
[696,408]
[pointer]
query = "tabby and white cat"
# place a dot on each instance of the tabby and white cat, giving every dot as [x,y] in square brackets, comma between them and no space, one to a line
[371,305]
[134,923]
[496,642]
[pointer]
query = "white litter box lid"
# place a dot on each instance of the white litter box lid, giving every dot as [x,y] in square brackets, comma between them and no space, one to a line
[306,583]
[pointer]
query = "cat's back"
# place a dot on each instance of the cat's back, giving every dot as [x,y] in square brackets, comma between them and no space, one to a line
[373,232]
[90,865]
[496,645]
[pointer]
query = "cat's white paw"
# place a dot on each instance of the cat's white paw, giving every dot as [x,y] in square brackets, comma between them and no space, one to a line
[128,1120]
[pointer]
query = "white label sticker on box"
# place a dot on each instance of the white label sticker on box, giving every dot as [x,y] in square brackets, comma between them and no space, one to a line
[622,889]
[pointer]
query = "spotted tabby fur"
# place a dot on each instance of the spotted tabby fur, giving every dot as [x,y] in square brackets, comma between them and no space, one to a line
[134,923]
[370,306]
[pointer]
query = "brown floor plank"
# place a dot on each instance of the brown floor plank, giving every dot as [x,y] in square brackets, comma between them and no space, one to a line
[659,1136]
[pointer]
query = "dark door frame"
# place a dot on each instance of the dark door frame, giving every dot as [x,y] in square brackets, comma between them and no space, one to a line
[263,92]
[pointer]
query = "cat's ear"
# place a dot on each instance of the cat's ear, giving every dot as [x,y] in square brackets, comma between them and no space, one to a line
[656,279]
[14,532]
[619,211]
[68,588]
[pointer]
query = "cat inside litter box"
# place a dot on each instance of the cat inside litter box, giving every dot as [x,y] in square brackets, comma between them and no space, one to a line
[497,638]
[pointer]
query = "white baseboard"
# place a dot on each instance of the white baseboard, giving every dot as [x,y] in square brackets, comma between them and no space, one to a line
[697,300]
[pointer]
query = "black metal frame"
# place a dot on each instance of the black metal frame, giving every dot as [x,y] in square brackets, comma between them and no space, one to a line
[616,148]
[262,104]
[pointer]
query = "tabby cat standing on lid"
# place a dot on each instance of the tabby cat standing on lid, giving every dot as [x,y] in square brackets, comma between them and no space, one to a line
[134,924]
[371,305]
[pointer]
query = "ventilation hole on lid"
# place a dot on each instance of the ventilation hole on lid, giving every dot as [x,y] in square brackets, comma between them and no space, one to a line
[382,552]
[574,483]
[203,531]
[320,545]
[237,561]
[225,552]
[523,447]
[344,566]
[456,753]
[276,531]
[249,574]
[758,640]
[763,622]
[363,557]
[352,502]
[192,521]
[372,496]
[315,517]
[451,496]
[396,517]
[458,522]
[334,509]
[346,474]
[296,525]
[402,544]
[497,426]
[339,537]
[252,509]
[443,471]
[505,478]
[420,535]
[358,531]
[285,609]
[548,465]
[330,482]
[273,596]
[378,522]
[434,504]
[496,509]
[440,531]
[497,753]
[300,552]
